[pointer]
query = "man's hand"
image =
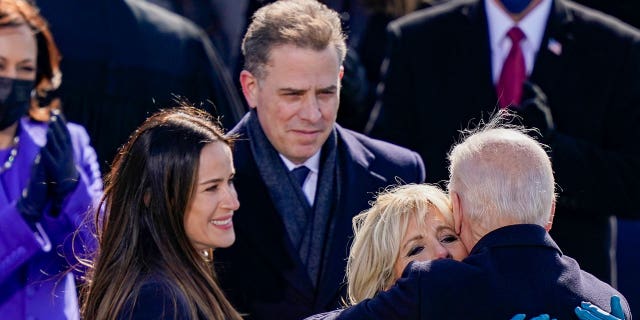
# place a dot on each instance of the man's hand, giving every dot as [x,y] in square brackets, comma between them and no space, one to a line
[534,110]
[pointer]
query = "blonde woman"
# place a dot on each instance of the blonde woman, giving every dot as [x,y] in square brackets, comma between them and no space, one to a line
[406,223]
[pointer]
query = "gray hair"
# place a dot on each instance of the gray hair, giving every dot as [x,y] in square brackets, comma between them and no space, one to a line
[502,174]
[302,23]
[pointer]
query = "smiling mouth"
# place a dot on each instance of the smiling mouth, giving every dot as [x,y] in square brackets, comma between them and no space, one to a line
[221,222]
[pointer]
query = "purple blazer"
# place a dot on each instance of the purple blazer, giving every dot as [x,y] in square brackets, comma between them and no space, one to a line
[34,282]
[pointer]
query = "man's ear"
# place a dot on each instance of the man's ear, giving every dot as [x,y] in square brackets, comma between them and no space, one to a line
[341,74]
[456,207]
[553,212]
[249,85]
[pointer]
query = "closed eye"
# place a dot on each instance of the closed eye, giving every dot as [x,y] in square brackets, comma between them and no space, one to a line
[449,239]
[415,250]
[210,188]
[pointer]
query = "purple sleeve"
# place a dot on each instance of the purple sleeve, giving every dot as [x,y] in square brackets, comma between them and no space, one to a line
[79,206]
[17,242]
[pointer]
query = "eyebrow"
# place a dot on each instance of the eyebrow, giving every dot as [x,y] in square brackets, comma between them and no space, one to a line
[293,90]
[329,88]
[442,227]
[216,180]
[418,237]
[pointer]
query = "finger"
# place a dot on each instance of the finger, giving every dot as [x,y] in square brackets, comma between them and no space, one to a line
[595,310]
[60,126]
[519,316]
[53,142]
[616,307]
[541,317]
[57,113]
[48,159]
[60,139]
[584,314]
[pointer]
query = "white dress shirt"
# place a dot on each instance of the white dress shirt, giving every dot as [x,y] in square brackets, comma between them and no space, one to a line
[532,25]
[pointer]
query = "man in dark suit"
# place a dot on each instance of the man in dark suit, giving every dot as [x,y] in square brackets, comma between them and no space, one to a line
[300,176]
[503,199]
[444,69]
[125,59]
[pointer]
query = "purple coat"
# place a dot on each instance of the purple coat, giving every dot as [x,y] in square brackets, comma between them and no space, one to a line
[33,279]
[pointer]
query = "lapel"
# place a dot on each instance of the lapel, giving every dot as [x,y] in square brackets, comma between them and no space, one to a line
[260,224]
[32,138]
[475,62]
[358,183]
[548,71]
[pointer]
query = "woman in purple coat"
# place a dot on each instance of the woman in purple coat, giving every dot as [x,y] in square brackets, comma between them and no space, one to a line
[49,176]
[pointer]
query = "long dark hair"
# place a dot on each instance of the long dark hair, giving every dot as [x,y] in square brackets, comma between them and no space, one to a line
[14,13]
[141,227]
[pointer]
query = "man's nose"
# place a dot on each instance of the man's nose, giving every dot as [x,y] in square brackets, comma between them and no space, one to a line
[310,110]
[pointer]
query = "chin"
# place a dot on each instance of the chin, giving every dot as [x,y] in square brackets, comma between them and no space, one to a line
[226,242]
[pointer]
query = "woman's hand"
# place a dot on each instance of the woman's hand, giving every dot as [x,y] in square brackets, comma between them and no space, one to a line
[57,157]
[588,311]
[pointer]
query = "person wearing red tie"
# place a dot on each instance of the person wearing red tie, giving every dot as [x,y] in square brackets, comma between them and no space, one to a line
[568,71]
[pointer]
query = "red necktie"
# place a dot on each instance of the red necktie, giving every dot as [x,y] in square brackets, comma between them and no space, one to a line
[509,88]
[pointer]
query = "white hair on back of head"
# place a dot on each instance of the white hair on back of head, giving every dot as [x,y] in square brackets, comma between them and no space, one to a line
[502,174]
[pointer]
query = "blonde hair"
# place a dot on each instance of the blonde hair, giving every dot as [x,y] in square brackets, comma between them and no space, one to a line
[378,234]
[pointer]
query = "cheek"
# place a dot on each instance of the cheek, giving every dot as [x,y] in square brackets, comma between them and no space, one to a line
[459,252]
[423,256]
[201,208]
[399,267]
[330,110]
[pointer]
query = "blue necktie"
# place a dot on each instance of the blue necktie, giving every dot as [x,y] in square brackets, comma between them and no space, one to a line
[300,173]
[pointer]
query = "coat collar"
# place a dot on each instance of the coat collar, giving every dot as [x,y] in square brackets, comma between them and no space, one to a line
[515,235]
[263,226]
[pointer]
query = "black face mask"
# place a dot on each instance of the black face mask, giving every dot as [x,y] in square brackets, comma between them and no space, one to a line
[15,96]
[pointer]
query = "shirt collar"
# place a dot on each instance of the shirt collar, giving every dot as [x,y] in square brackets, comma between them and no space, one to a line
[532,25]
[312,163]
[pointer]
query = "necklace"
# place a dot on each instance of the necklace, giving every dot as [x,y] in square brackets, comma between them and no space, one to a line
[12,155]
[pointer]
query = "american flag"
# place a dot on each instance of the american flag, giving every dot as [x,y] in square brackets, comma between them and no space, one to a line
[555,47]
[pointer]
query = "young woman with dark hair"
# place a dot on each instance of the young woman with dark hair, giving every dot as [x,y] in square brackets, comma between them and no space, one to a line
[168,202]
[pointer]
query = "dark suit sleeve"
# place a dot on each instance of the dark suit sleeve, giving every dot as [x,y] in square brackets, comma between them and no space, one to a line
[389,119]
[588,172]
[399,302]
